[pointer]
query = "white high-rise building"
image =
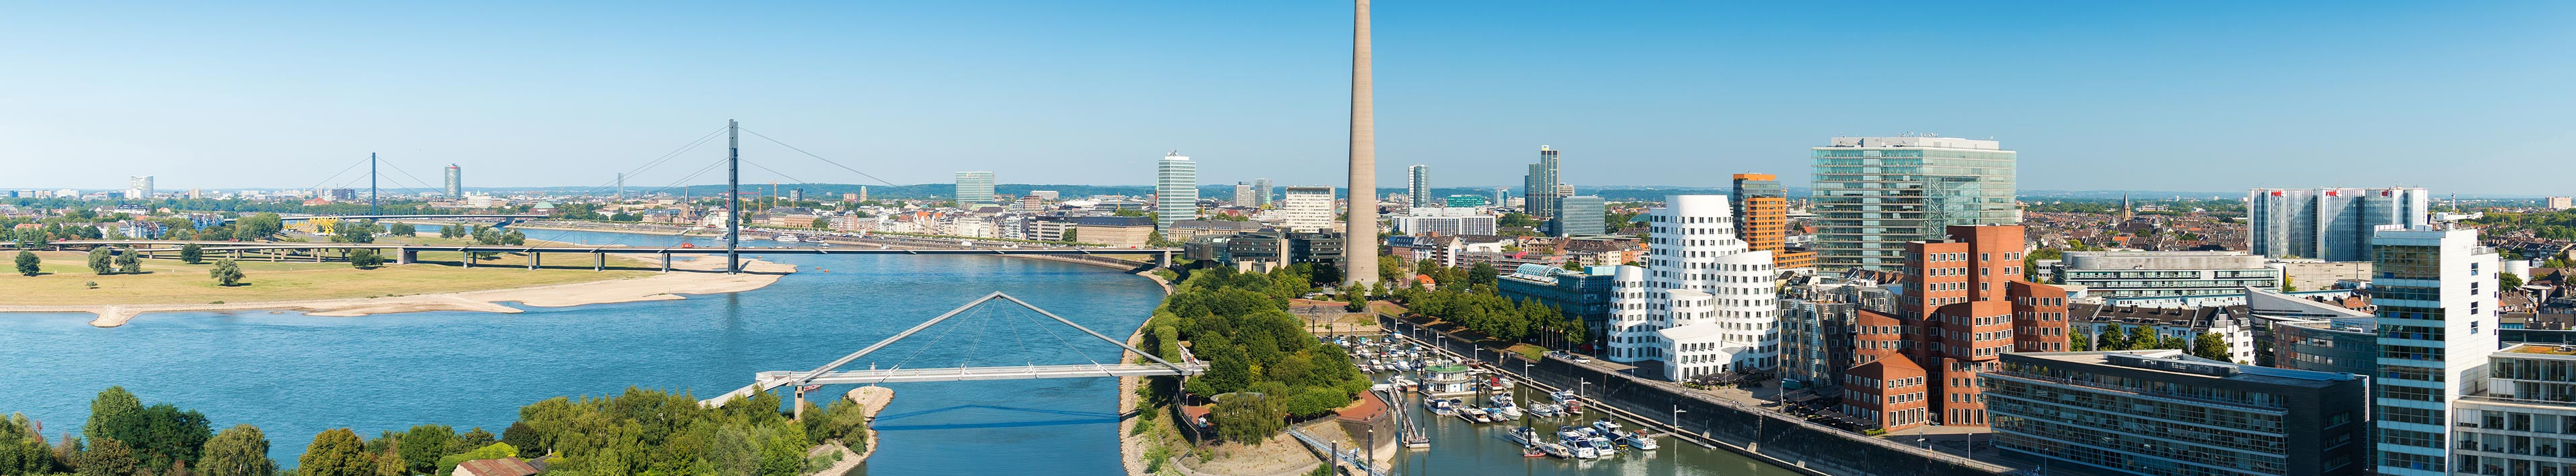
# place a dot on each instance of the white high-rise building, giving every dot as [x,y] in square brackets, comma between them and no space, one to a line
[138,187]
[1307,209]
[2332,224]
[1243,195]
[1420,188]
[2434,291]
[1176,191]
[974,187]
[1704,303]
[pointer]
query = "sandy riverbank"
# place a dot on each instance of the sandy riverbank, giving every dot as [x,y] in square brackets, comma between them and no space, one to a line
[691,276]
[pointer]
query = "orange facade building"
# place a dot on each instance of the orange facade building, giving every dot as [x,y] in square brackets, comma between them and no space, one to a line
[1963,305]
[1762,220]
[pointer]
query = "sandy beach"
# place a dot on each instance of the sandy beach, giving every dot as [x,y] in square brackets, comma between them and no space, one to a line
[692,274]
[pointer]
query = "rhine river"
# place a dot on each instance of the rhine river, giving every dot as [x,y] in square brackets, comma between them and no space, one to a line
[295,376]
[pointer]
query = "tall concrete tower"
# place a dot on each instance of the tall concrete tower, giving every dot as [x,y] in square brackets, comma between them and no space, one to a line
[1361,244]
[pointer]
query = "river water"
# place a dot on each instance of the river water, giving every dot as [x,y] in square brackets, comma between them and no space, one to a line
[295,376]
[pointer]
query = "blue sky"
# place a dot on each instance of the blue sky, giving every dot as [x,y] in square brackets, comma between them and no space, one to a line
[2465,97]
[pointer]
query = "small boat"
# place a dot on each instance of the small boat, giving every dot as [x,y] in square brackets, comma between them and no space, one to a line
[1525,436]
[1582,448]
[1532,451]
[1495,414]
[1561,396]
[1497,384]
[1508,410]
[1555,449]
[1607,427]
[786,238]
[1473,415]
[1439,406]
[1544,410]
[1638,440]
[1608,449]
[813,239]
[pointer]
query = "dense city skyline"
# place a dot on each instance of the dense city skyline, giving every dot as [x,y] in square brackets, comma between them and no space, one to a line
[2118,97]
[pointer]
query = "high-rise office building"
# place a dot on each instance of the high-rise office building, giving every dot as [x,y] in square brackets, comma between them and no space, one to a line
[1243,195]
[138,187]
[1762,216]
[2516,426]
[1261,192]
[1874,194]
[2559,203]
[1579,216]
[1538,188]
[1420,189]
[2332,224]
[974,187]
[2434,291]
[1308,209]
[1176,190]
[1703,304]
[1962,305]
[455,182]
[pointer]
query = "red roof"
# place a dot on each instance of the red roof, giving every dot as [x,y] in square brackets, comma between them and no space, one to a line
[497,467]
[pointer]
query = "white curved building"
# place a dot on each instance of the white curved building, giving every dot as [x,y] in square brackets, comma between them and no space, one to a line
[1706,302]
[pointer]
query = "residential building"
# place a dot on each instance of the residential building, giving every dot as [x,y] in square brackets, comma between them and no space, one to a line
[1047,195]
[1243,195]
[1703,304]
[1263,251]
[2233,325]
[2332,224]
[1118,232]
[2435,295]
[1445,221]
[138,187]
[1419,189]
[2559,203]
[1184,230]
[1049,228]
[974,187]
[1176,190]
[2159,412]
[2295,332]
[1030,204]
[1538,188]
[1817,323]
[2524,423]
[1581,296]
[1578,216]
[1762,214]
[1603,250]
[1960,305]
[2117,274]
[1308,209]
[1875,194]
[455,182]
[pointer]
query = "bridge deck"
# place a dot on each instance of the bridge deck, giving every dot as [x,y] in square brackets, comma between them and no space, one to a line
[775,379]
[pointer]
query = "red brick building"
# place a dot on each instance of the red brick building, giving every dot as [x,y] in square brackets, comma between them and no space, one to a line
[1963,305]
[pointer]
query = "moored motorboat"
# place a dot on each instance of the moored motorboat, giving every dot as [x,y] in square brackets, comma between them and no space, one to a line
[1638,440]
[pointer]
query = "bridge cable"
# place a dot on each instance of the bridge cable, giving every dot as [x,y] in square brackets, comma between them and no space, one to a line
[934,342]
[658,161]
[818,157]
[326,180]
[1059,339]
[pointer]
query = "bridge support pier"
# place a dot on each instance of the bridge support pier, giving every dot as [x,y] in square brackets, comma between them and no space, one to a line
[406,256]
[800,404]
[534,258]
[666,262]
[1163,260]
[599,261]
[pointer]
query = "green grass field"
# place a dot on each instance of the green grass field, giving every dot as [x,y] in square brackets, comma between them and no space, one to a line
[168,281]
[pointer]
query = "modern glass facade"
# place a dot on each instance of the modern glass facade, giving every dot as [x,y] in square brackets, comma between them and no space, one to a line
[1579,216]
[2525,422]
[1580,295]
[974,187]
[1466,201]
[2165,414]
[2333,224]
[1176,191]
[1419,189]
[1538,192]
[2433,289]
[1874,194]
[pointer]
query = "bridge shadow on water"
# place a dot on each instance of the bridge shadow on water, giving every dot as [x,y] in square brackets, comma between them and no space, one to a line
[1083,418]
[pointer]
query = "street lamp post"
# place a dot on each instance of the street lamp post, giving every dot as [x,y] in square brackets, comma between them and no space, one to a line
[1677,416]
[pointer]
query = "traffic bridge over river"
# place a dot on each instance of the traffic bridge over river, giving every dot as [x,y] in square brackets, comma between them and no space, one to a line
[406,253]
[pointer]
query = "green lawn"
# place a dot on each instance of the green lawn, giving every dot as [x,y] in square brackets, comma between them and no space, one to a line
[168,281]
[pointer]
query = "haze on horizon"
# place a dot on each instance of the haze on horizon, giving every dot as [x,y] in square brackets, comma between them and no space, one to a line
[2458,97]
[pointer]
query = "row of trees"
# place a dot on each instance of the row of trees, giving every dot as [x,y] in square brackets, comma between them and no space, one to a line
[639,432]
[2207,346]
[1260,358]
